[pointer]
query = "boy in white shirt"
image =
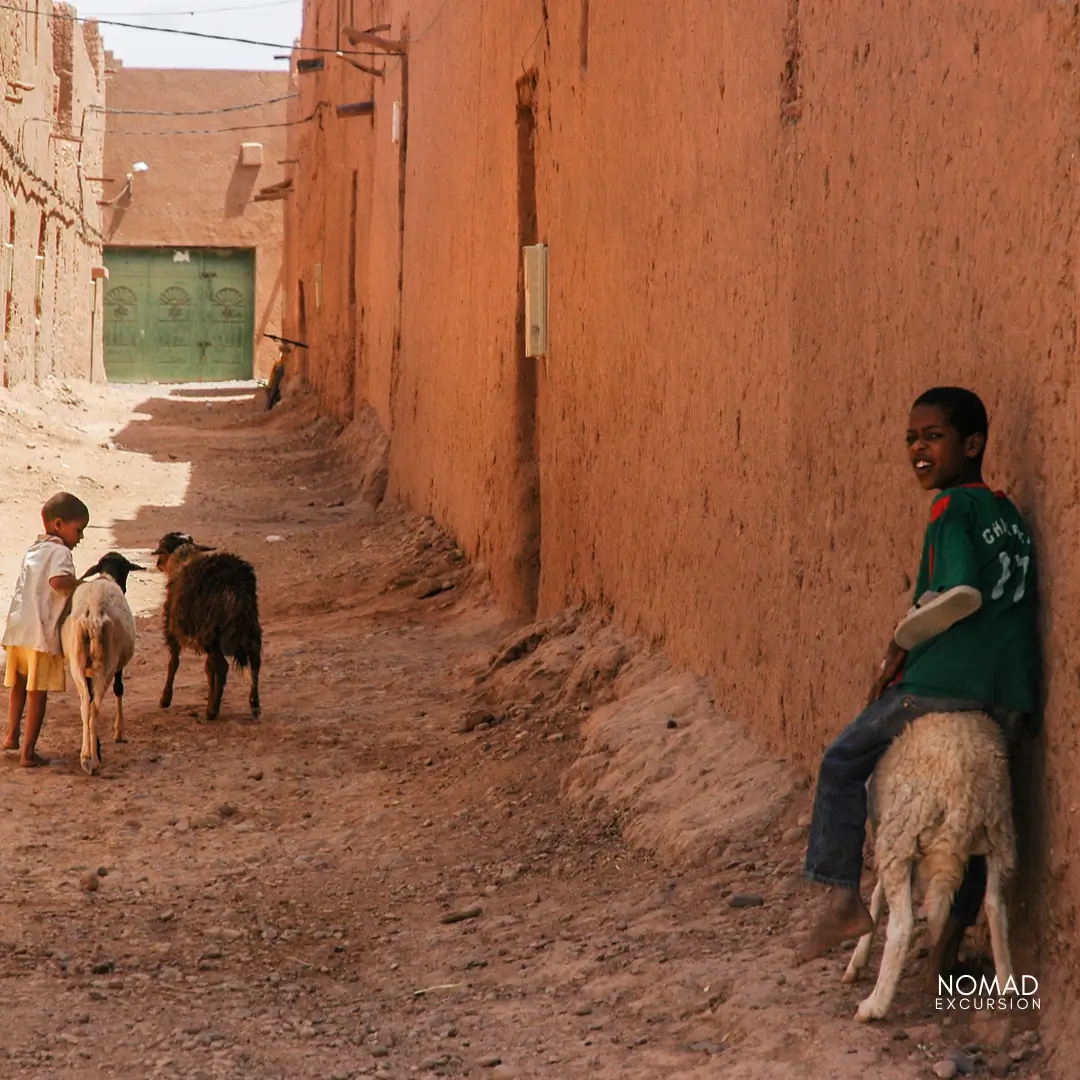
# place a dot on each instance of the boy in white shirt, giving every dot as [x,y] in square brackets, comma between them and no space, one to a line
[35,661]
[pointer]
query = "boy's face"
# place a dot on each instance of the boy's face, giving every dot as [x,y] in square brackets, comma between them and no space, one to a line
[940,458]
[71,532]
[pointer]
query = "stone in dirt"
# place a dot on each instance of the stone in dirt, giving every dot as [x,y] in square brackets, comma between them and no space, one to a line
[944,1070]
[964,1062]
[707,1048]
[490,1061]
[89,883]
[461,916]
[745,900]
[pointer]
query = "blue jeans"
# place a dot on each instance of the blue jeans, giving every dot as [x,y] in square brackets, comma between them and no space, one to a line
[838,826]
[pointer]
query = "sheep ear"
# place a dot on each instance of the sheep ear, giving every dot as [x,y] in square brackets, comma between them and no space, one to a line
[95,569]
[134,566]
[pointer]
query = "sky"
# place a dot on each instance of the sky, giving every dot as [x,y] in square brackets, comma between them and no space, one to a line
[274,21]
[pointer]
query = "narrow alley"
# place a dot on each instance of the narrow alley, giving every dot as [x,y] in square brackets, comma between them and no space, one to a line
[413,864]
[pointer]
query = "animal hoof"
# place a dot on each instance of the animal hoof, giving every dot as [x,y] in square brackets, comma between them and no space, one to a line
[89,767]
[119,738]
[851,976]
[255,711]
[165,701]
[867,1012]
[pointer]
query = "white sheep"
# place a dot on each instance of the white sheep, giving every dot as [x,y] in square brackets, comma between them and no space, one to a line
[98,639]
[940,795]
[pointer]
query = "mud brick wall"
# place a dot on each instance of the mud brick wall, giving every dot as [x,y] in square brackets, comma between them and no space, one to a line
[770,226]
[51,140]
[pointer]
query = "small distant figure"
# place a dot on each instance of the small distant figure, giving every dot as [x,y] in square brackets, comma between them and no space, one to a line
[277,376]
[35,662]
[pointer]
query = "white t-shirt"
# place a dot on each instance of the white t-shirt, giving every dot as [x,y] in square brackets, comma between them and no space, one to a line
[36,606]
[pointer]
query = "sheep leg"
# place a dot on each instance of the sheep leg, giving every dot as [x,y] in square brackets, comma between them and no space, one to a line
[897,881]
[89,706]
[862,950]
[82,685]
[174,664]
[944,871]
[253,697]
[999,922]
[217,671]
[118,691]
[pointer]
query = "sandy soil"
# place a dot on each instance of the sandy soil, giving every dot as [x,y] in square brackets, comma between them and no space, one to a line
[275,899]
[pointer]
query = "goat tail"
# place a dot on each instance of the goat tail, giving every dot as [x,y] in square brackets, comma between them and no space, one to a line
[245,647]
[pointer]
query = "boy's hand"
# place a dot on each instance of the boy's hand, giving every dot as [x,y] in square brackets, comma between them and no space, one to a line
[894,660]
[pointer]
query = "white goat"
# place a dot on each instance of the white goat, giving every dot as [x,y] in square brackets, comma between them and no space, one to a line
[939,795]
[98,639]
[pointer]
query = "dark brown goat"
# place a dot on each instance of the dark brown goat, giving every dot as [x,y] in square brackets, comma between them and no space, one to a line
[212,609]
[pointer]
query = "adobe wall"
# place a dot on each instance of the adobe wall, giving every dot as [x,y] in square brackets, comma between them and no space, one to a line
[768,230]
[195,192]
[52,323]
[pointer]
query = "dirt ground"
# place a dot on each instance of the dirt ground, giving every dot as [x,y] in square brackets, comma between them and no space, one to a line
[278,899]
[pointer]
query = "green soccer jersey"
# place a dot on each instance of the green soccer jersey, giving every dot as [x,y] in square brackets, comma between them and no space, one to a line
[976,537]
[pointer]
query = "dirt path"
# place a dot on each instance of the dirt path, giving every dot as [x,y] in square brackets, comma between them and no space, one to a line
[272,898]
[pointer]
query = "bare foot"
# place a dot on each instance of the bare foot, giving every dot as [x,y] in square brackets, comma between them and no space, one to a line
[846,919]
[35,761]
[11,745]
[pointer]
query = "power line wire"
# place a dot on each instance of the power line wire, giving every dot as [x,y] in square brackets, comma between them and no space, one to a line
[199,11]
[188,131]
[193,112]
[427,29]
[197,34]
[210,131]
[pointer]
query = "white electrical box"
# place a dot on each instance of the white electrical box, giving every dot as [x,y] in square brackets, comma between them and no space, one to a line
[251,154]
[395,123]
[535,260]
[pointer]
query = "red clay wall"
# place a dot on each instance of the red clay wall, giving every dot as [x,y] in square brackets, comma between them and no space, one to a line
[52,323]
[195,192]
[770,226]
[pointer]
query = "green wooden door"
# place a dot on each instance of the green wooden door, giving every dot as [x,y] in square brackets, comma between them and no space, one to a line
[179,315]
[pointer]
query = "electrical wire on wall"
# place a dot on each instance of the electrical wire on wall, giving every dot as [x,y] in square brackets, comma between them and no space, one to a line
[27,170]
[192,131]
[192,112]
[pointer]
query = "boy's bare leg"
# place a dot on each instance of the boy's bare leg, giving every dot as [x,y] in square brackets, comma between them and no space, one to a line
[35,717]
[845,919]
[16,704]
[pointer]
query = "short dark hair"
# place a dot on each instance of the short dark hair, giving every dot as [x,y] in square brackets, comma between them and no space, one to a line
[66,507]
[964,408]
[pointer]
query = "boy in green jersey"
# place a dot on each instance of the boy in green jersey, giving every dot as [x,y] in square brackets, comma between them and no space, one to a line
[968,644]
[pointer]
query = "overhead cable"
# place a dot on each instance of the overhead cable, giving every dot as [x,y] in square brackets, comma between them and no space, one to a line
[195,33]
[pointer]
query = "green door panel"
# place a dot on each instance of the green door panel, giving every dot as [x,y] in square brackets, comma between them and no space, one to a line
[179,315]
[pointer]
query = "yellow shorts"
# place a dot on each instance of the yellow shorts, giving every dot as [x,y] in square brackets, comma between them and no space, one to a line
[43,671]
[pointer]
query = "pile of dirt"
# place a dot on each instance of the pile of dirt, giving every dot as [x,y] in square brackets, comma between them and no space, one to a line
[653,752]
